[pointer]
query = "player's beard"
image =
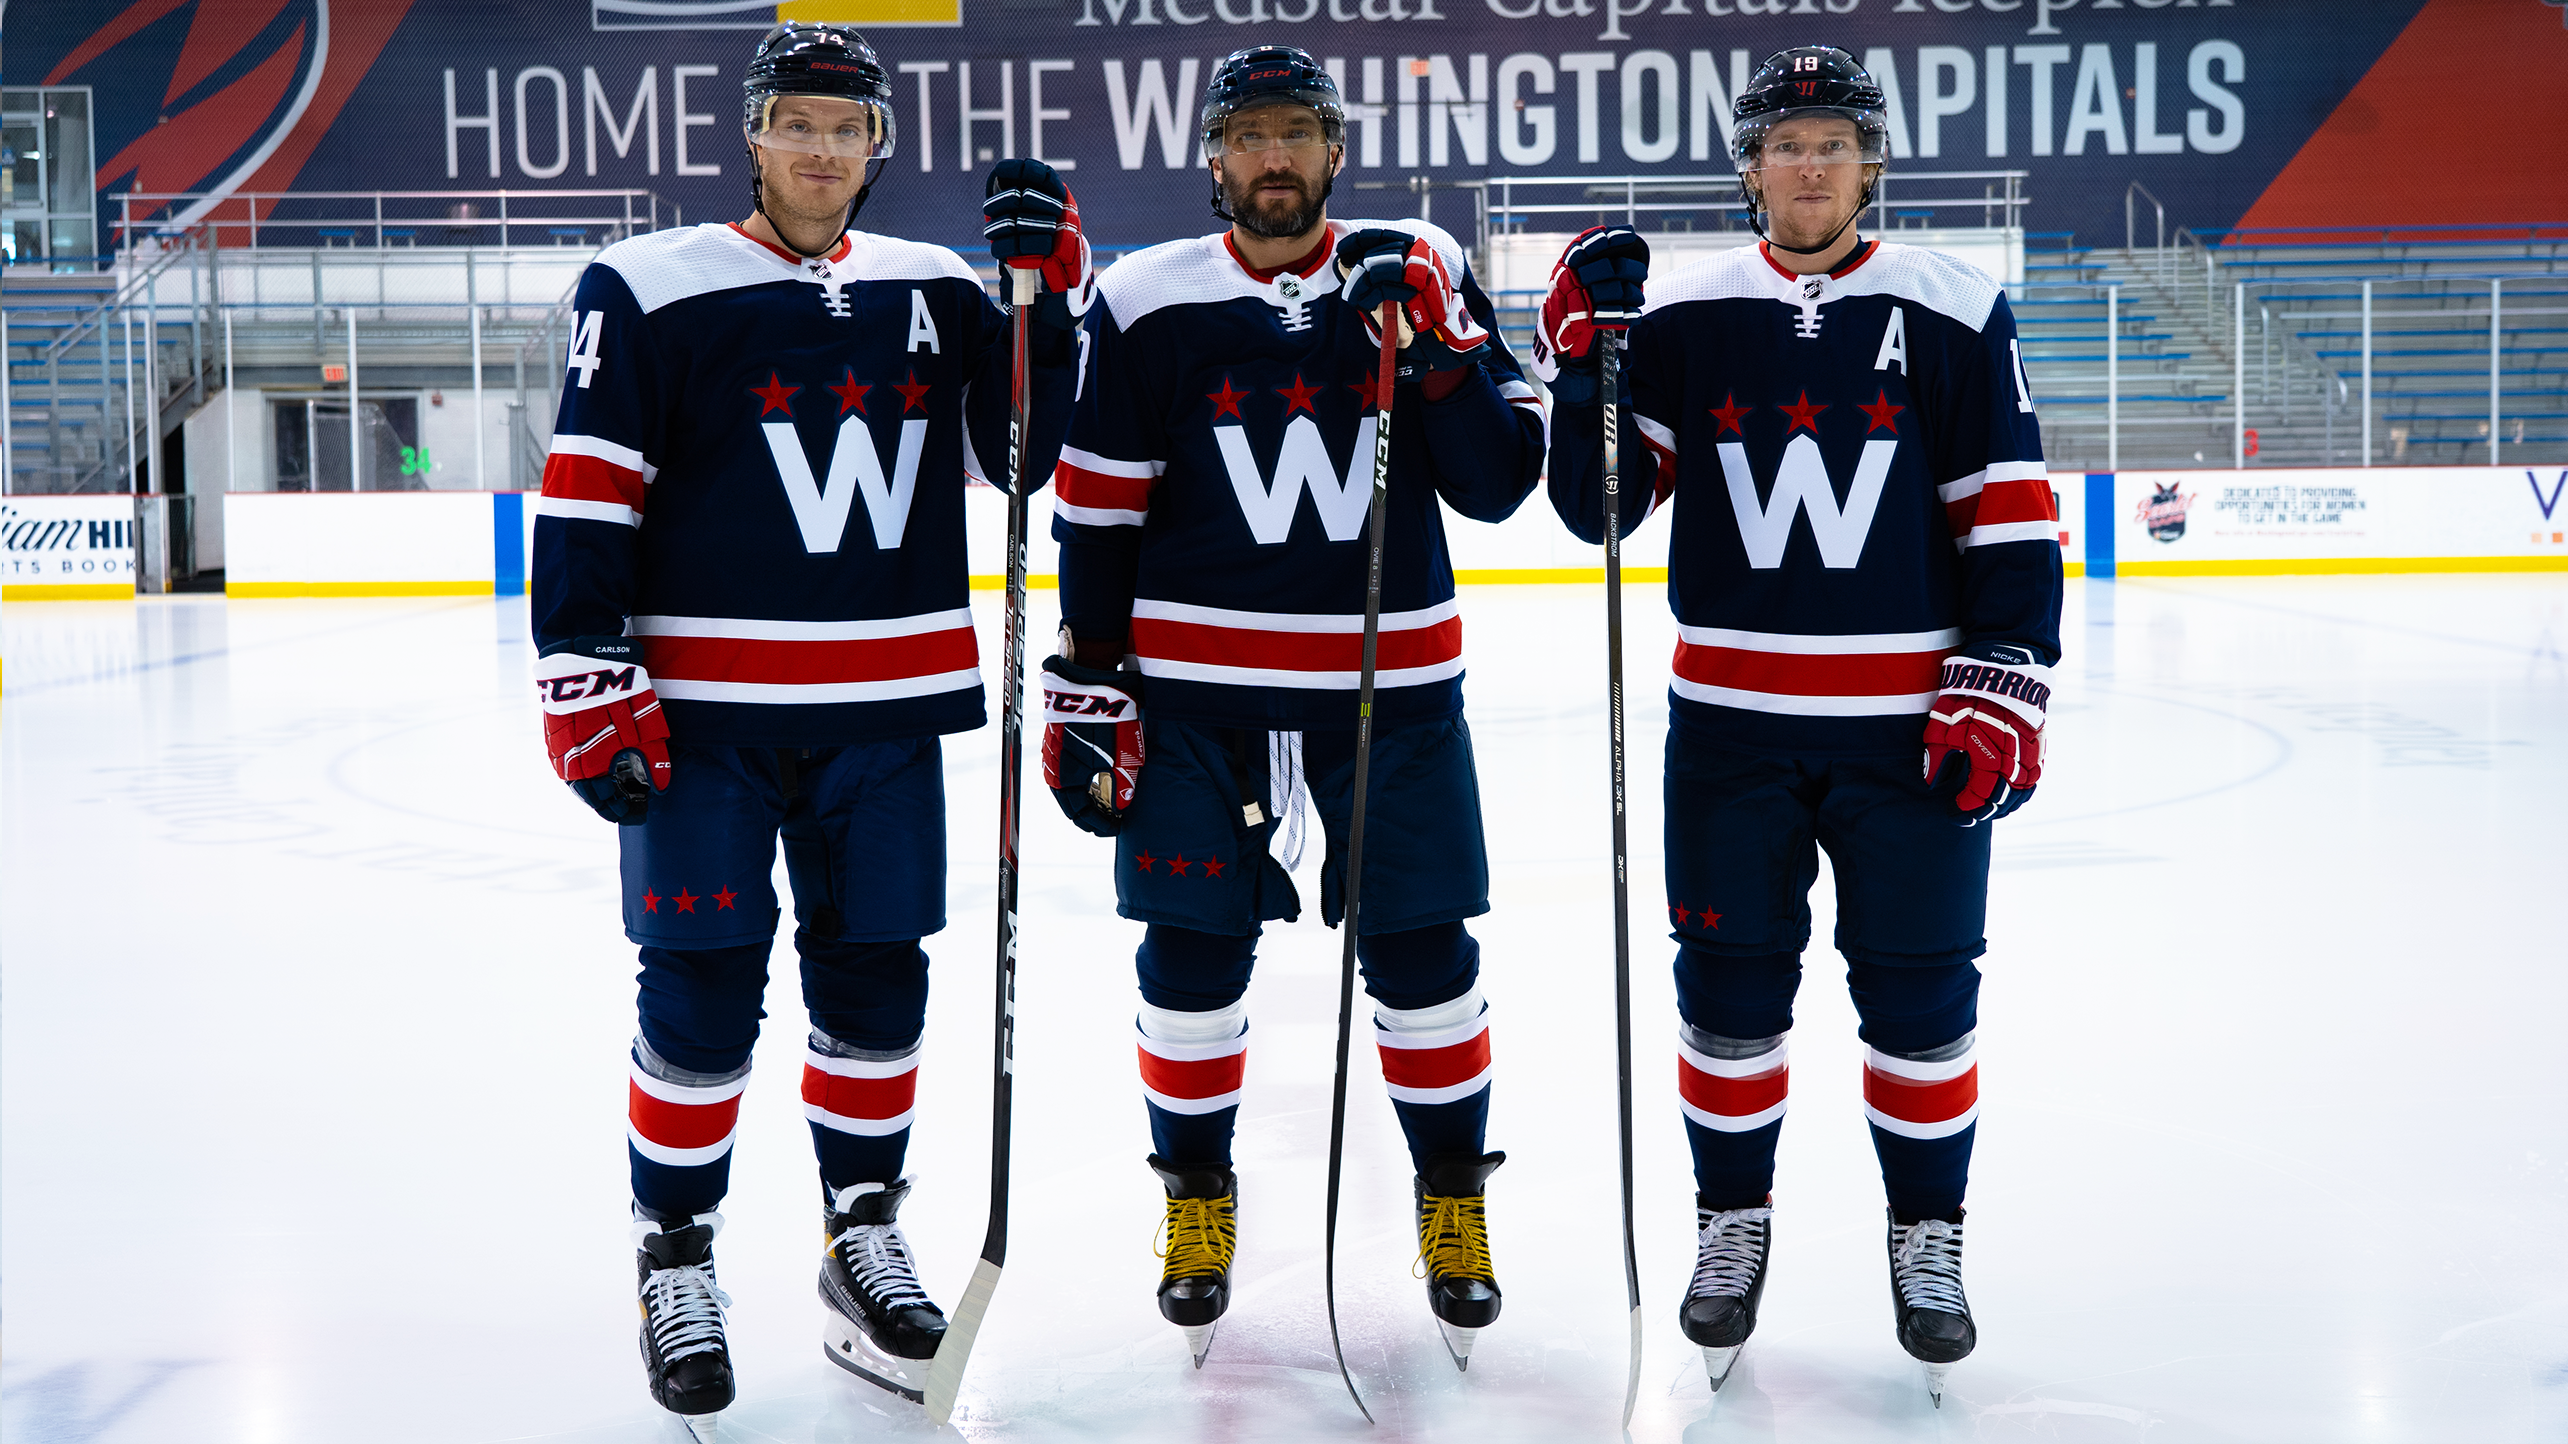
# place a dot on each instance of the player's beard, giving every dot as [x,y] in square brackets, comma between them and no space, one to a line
[1280,222]
[782,211]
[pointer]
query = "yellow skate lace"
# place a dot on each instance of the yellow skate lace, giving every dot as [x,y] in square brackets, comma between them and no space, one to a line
[1197,1237]
[1453,1239]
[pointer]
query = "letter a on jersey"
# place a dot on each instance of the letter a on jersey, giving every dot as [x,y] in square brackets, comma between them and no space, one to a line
[1802,482]
[1302,461]
[820,510]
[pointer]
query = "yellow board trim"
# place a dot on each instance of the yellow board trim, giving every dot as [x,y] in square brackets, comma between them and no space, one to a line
[68,592]
[357,589]
[2340,566]
[1540,576]
[874,12]
[998,582]
[2072,569]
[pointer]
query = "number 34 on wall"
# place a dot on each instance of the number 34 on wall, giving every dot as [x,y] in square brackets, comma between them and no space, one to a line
[414,461]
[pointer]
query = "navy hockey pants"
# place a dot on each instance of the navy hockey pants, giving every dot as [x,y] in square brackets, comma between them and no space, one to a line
[863,829]
[1744,832]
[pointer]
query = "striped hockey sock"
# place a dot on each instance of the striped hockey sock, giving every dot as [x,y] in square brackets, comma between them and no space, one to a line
[1733,1092]
[859,1102]
[678,1131]
[1924,1110]
[1191,1068]
[1435,1063]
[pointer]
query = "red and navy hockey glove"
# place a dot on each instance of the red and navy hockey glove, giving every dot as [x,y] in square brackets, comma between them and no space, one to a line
[602,724]
[1092,749]
[1595,286]
[1032,224]
[1984,736]
[1437,331]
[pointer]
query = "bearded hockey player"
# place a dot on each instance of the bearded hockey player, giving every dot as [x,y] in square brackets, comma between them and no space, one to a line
[1211,506]
[752,613]
[1865,571]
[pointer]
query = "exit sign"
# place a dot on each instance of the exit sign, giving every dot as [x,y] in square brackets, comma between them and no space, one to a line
[334,373]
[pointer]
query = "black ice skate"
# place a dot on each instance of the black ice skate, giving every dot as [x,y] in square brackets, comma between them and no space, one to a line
[1720,1308]
[1201,1233]
[881,1326]
[1926,1297]
[1453,1247]
[683,1349]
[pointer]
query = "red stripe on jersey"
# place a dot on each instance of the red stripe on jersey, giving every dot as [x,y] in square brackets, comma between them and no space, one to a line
[1437,1067]
[875,1098]
[1254,647]
[865,659]
[1194,1077]
[680,1125]
[2000,503]
[1664,485]
[1731,1097]
[1100,491]
[1911,1101]
[570,476]
[1797,674]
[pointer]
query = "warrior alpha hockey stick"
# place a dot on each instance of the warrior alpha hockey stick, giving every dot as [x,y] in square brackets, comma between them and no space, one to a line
[1608,370]
[1382,382]
[945,1373]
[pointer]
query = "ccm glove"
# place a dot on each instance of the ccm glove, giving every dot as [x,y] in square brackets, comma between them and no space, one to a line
[1032,223]
[1380,267]
[1595,286]
[1091,742]
[602,724]
[1984,736]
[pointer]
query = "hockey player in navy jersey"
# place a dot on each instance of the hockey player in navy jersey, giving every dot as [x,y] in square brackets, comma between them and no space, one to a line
[1866,580]
[753,621]
[1211,506]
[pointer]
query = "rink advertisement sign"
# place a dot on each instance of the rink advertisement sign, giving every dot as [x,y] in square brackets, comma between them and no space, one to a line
[66,548]
[2381,519]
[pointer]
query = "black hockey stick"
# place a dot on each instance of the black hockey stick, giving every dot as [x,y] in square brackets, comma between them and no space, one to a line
[945,1372]
[1608,368]
[1382,380]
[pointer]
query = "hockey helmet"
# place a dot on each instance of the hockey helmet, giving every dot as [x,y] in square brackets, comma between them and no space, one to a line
[829,61]
[1804,82]
[1270,75]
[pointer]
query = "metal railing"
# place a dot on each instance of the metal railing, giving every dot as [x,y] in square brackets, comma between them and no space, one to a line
[2130,193]
[2001,201]
[384,218]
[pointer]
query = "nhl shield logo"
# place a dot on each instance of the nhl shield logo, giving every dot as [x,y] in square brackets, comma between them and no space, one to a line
[2164,512]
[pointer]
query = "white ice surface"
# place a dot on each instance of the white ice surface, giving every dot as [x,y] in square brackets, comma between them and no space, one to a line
[312,1080]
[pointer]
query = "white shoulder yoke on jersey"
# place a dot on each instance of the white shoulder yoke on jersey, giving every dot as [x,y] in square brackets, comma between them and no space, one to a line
[1203,269]
[1938,282]
[665,267]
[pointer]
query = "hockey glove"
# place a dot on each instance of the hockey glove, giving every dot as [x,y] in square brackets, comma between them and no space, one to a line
[1437,332]
[1984,736]
[1091,742]
[602,724]
[1595,286]
[1032,223]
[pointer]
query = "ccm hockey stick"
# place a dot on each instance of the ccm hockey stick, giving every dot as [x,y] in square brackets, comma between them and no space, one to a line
[1608,372]
[945,1372]
[1382,381]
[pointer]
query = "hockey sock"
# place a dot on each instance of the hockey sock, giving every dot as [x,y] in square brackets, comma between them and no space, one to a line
[678,1130]
[1191,1066]
[1921,1080]
[859,1103]
[1733,1093]
[1435,1063]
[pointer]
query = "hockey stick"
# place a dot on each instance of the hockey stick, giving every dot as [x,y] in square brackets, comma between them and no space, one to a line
[1609,380]
[945,1372]
[1382,378]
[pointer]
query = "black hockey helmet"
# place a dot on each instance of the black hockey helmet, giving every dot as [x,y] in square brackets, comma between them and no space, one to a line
[1271,75]
[831,61]
[1803,82]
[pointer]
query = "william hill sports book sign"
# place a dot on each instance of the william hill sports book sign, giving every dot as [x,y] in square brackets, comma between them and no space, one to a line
[2275,112]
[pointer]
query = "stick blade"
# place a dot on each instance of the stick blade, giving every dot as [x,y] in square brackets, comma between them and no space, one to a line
[1632,1380]
[962,1327]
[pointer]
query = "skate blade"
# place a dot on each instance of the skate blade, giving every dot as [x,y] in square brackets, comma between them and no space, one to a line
[1719,1362]
[847,1346]
[1199,1339]
[1457,1342]
[1935,1374]
[703,1428]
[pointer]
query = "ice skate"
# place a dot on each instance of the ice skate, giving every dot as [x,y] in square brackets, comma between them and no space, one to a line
[1199,1237]
[1926,1298]
[881,1326]
[1720,1308]
[1453,1248]
[683,1348]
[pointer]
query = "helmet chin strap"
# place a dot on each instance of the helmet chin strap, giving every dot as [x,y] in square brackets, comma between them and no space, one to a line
[758,206]
[1756,222]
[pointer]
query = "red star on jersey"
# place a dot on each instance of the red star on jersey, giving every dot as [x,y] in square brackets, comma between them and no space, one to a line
[1881,412]
[1709,920]
[1729,412]
[1364,390]
[1297,396]
[1682,916]
[1803,415]
[1143,860]
[686,901]
[913,393]
[1225,401]
[1177,865]
[722,900]
[850,392]
[1212,867]
[650,901]
[775,395]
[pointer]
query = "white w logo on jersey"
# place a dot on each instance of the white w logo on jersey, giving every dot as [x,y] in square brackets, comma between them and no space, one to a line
[1802,483]
[1302,461]
[821,510]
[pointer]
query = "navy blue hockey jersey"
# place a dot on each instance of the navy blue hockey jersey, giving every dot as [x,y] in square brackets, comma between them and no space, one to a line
[1213,495]
[759,467]
[1857,485]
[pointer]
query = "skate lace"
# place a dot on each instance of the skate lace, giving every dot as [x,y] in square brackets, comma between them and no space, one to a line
[1727,1251]
[877,1257]
[1197,1237]
[685,1309]
[1453,1239]
[1926,1263]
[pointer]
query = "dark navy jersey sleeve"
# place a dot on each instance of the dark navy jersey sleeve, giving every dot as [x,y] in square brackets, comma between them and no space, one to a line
[1485,438]
[1101,497]
[607,438]
[1645,468]
[1051,360]
[1997,491]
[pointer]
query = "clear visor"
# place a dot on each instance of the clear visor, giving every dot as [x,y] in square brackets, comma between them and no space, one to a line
[1796,139]
[816,125]
[1273,129]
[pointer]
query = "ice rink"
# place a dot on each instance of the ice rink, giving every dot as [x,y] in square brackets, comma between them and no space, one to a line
[312,1066]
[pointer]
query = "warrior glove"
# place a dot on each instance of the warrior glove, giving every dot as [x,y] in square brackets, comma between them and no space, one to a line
[1984,736]
[1595,286]
[602,724]
[1091,742]
[1380,267]
[1032,224]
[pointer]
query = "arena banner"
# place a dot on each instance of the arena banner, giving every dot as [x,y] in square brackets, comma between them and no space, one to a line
[2300,111]
[66,548]
[2218,522]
